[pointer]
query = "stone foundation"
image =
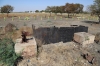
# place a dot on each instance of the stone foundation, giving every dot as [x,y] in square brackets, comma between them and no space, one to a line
[84,38]
[26,49]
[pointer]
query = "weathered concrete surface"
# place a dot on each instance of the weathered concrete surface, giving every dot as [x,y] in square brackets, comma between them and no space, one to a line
[26,49]
[84,38]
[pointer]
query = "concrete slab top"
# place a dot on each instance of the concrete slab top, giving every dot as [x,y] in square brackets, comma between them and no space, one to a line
[83,34]
[20,46]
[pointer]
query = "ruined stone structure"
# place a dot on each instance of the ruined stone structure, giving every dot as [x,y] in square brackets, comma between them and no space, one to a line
[54,34]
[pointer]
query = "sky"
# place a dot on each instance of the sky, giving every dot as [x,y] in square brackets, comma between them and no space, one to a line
[32,5]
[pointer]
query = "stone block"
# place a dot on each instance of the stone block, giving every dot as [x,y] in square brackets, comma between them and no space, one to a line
[26,49]
[84,38]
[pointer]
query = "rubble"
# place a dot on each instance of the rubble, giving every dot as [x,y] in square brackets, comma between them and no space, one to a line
[89,58]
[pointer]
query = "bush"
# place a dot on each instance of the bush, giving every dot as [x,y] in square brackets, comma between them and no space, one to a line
[7,53]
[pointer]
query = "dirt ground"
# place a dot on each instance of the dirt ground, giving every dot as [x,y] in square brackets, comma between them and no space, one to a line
[52,21]
[59,54]
[63,54]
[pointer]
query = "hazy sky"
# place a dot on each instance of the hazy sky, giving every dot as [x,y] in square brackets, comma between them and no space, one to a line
[32,5]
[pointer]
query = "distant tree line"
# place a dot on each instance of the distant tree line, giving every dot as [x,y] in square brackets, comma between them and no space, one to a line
[67,8]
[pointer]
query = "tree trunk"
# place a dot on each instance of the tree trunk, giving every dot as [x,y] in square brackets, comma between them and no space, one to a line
[68,15]
[7,14]
[99,18]
[91,14]
[50,14]
[73,14]
[55,13]
[61,14]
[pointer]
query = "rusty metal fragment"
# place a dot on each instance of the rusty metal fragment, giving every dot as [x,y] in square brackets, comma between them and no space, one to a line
[24,34]
[89,58]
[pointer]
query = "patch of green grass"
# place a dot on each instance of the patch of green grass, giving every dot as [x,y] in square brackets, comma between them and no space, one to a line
[7,52]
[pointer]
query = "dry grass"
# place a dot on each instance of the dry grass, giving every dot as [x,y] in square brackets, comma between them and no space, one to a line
[57,55]
[44,15]
[25,14]
[17,34]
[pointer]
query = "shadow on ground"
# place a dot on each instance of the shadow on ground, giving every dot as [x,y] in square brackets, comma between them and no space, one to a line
[91,22]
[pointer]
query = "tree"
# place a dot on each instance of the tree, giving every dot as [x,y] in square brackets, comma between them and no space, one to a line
[26,11]
[78,8]
[91,9]
[73,8]
[37,11]
[0,9]
[55,9]
[95,7]
[59,9]
[69,8]
[62,9]
[48,9]
[7,9]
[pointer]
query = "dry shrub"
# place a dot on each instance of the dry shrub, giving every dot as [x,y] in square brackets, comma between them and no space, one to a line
[10,27]
[26,29]
[17,34]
